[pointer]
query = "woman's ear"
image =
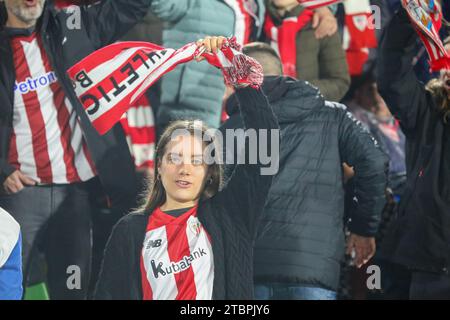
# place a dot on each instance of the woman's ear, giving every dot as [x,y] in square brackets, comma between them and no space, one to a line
[158,169]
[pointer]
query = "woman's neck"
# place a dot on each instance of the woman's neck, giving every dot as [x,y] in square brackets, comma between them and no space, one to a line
[175,205]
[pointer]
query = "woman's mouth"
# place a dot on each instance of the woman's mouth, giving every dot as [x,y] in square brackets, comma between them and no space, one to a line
[183,184]
[31,3]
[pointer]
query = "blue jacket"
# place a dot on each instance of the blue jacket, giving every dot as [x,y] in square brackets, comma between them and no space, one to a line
[10,258]
[194,90]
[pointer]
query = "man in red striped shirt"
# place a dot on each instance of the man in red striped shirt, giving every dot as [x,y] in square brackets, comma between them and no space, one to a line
[51,159]
[47,145]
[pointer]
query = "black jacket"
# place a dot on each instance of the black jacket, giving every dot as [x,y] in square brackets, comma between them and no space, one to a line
[420,237]
[101,24]
[301,236]
[230,217]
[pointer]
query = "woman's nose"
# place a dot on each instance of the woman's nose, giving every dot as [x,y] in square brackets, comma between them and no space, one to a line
[185,168]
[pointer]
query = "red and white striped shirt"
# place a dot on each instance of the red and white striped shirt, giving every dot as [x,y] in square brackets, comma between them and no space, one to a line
[47,142]
[177,259]
[245,12]
[139,126]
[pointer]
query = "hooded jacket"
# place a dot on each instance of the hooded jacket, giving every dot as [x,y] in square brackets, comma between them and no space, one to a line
[301,236]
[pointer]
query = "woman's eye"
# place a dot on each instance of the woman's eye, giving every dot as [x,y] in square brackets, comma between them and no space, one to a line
[197,162]
[174,159]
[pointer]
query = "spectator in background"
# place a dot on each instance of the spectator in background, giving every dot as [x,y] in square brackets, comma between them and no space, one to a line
[10,258]
[186,21]
[305,55]
[420,61]
[53,164]
[369,107]
[148,29]
[360,33]
[301,236]
[419,237]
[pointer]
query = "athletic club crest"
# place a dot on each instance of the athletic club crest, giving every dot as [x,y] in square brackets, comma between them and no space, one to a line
[361,22]
[195,226]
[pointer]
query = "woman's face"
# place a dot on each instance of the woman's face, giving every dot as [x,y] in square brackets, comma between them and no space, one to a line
[183,171]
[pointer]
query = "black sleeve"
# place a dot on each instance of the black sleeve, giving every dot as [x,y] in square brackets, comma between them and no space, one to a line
[111,19]
[360,150]
[404,94]
[246,191]
[5,170]
[112,283]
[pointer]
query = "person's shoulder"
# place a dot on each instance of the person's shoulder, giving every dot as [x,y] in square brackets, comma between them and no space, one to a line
[336,106]
[334,109]
[133,221]
[334,112]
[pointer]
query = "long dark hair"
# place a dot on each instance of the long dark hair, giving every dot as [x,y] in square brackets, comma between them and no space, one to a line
[440,95]
[155,195]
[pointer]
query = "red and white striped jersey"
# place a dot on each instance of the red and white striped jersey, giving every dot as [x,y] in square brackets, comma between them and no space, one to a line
[47,142]
[139,126]
[245,12]
[177,259]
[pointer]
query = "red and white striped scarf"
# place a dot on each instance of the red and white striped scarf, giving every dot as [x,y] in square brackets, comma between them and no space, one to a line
[110,80]
[426,17]
[359,34]
[283,38]
[245,13]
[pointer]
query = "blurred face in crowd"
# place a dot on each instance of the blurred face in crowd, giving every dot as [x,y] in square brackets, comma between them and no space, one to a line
[23,13]
[370,99]
[285,4]
[183,172]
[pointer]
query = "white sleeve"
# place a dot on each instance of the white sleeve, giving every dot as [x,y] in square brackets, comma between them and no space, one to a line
[9,235]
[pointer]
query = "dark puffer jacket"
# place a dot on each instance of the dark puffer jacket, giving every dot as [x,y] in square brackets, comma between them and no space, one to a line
[301,238]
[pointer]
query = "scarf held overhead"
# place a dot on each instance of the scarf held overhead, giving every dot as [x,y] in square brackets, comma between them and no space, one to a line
[426,17]
[110,80]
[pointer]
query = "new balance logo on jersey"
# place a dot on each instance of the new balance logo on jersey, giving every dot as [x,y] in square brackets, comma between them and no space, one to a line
[177,267]
[153,244]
